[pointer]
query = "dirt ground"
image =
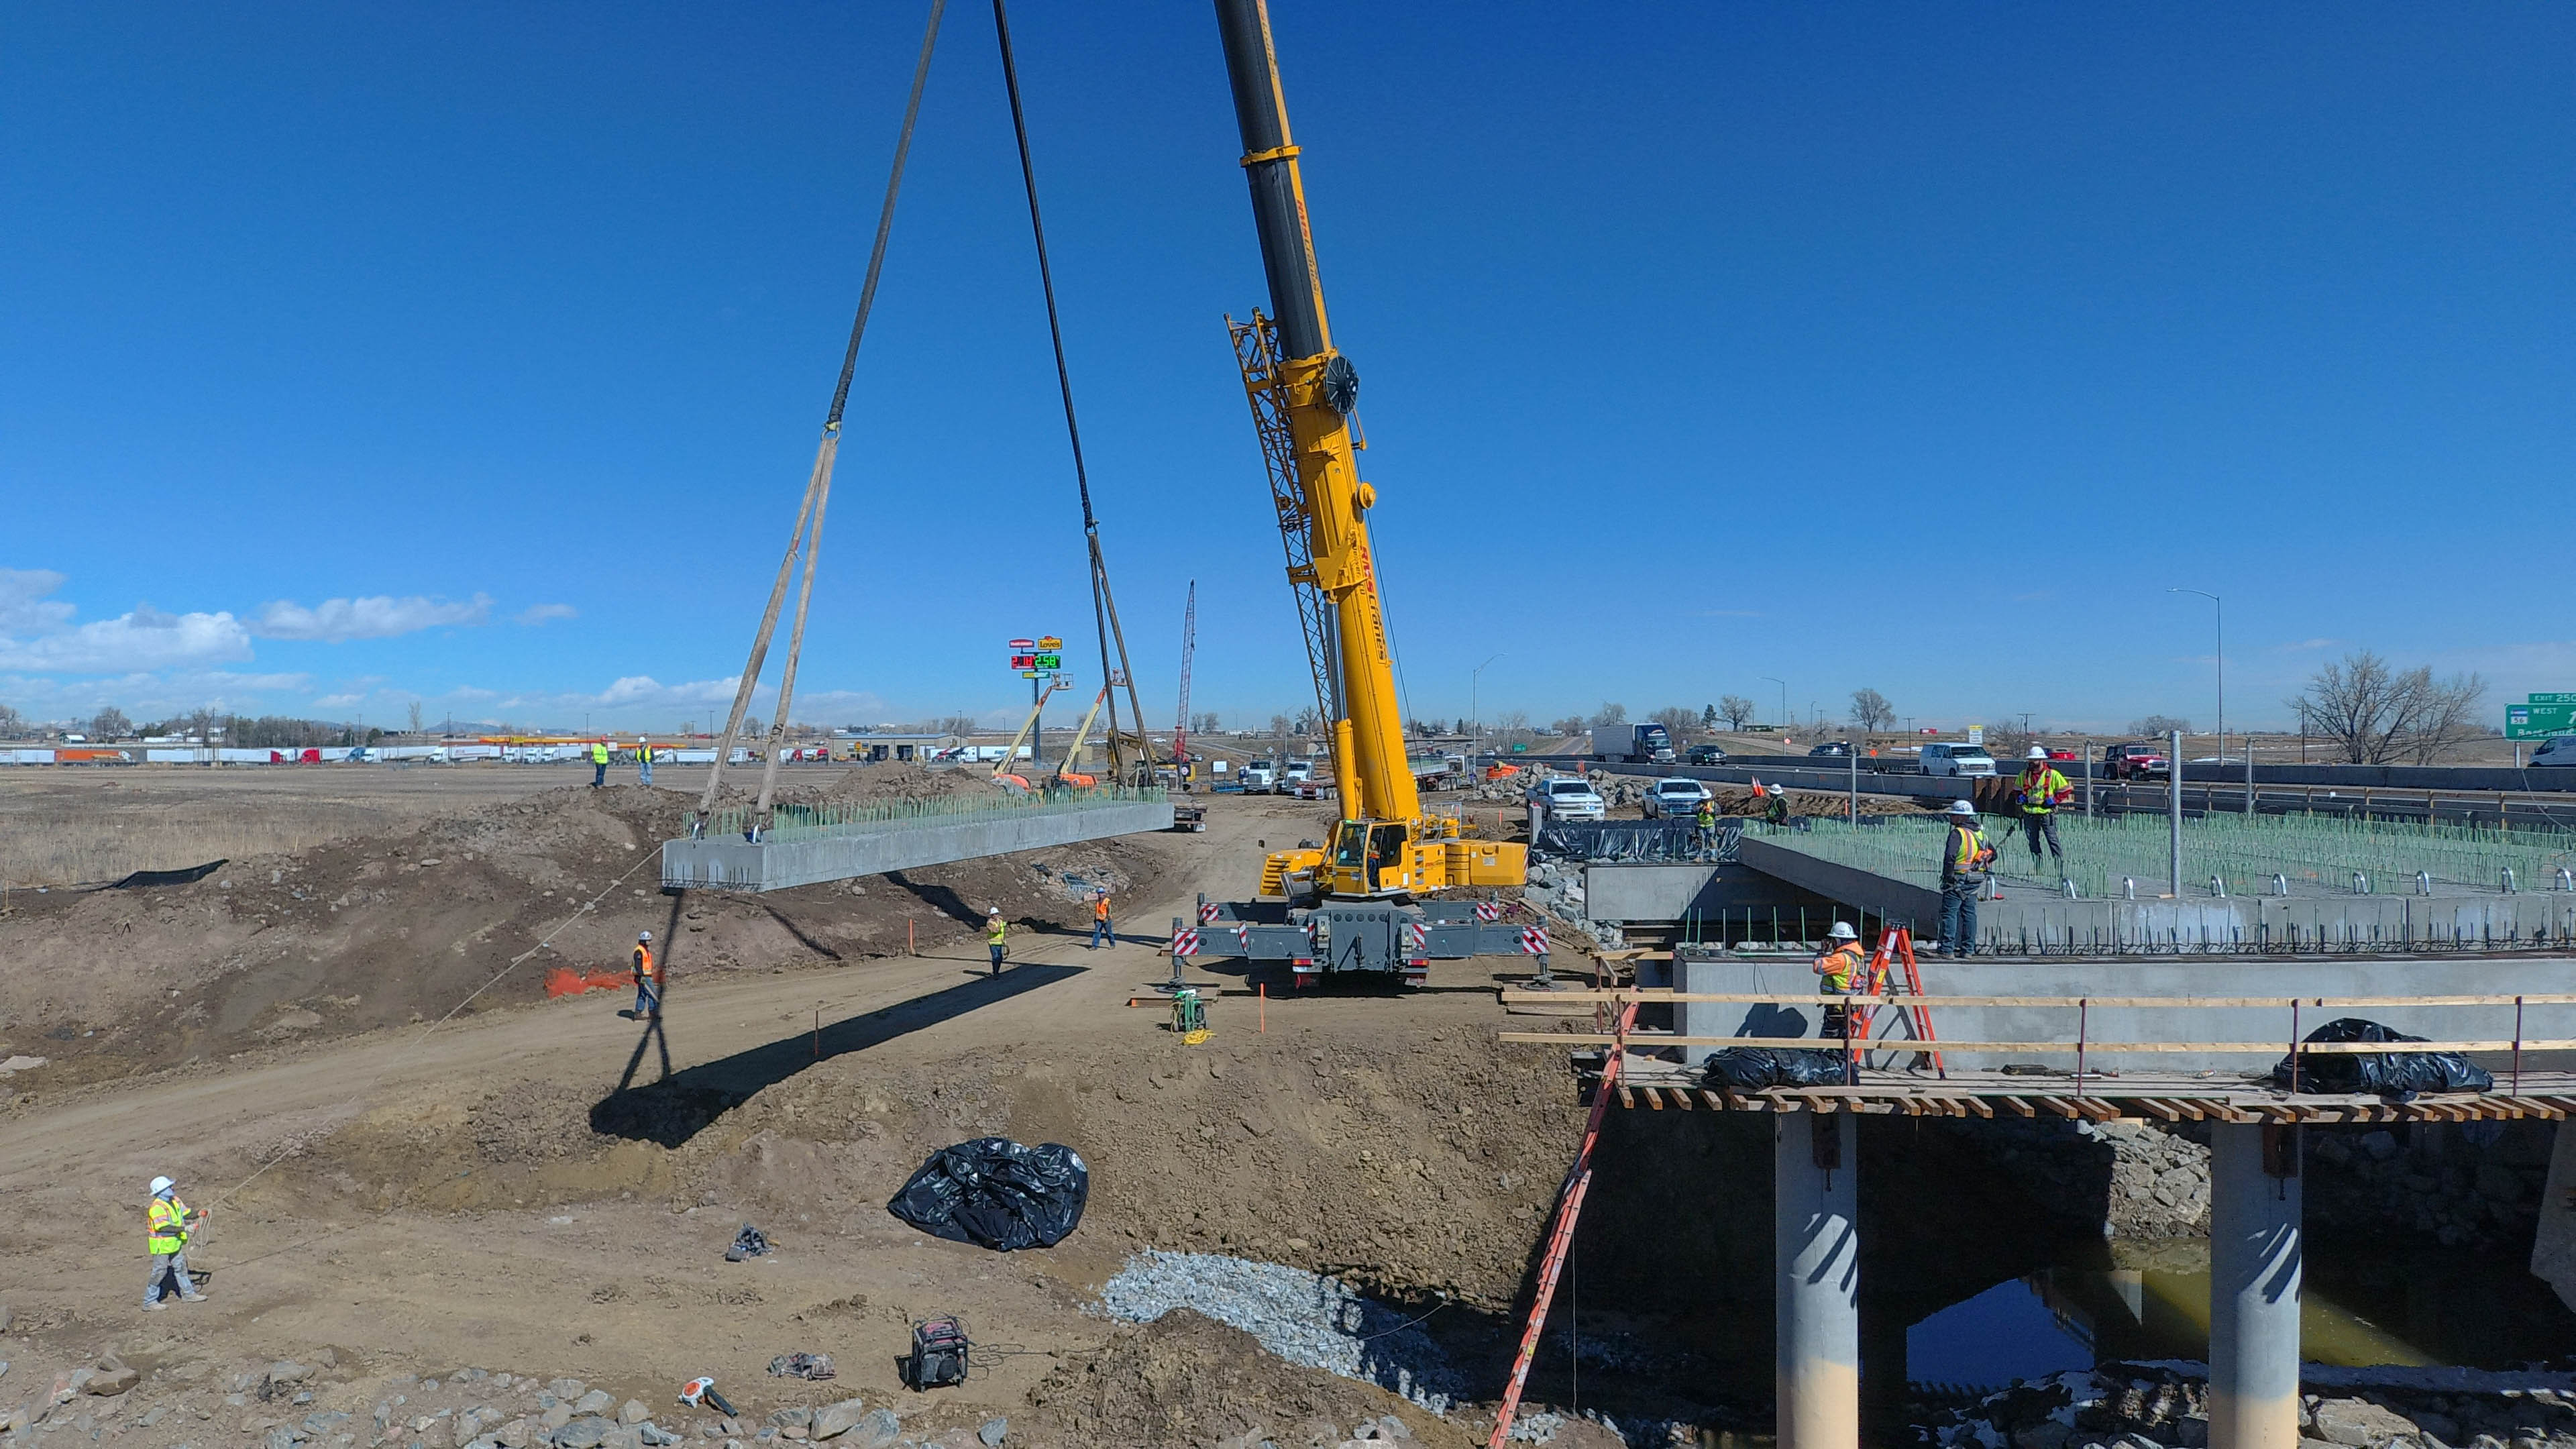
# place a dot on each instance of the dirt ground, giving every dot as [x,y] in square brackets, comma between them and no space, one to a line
[539,1188]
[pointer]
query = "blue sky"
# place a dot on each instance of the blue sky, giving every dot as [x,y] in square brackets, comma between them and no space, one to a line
[475,354]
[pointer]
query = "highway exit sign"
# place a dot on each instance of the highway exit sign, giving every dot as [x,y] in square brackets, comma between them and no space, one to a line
[2551,698]
[2539,721]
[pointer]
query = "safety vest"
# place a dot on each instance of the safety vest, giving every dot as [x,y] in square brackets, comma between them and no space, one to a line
[1100,909]
[598,753]
[994,930]
[644,962]
[1968,850]
[2039,791]
[1840,965]
[169,1225]
[643,753]
[1707,815]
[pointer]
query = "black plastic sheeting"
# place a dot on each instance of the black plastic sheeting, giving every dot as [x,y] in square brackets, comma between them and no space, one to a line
[1750,1069]
[188,876]
[1662,841]
[995,1193]
[2389,1074]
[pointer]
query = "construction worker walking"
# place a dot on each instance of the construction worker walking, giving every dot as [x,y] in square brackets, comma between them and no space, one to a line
[167,1221]
[1965,859]
[2039,790]
[997,933]
[1842,970]
[1101,929]
[598,763]
[648,980]
[644,760]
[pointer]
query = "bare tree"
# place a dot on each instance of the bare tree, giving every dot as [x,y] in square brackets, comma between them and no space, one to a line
[1736,710]
[1512,721]
[1871,711]
[415,716]
[1609,714]
[110,723]
[2374,714]
[1204,723]
[11,722]
[1573,724]
[2159,725]
[1679,722]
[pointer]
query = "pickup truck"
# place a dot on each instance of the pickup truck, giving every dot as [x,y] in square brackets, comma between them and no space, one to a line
[1675,799]
[1568,797]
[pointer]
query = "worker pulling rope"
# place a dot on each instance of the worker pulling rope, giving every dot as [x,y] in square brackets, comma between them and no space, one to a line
[1104,605]
[807,537]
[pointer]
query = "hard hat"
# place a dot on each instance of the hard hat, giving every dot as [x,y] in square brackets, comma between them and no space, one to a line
[1842,931]
[161,1185]
[643,935]
[2037,752]
[995,911]
[1962,807]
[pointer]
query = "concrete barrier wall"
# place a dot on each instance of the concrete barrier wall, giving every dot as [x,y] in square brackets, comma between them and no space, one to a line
[2266,1030]
[734,864]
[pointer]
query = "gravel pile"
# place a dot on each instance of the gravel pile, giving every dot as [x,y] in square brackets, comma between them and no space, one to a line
[1305,1318]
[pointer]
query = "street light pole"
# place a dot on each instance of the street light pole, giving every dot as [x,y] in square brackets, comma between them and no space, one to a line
[2222,675]
[1476,718]
[1784,698]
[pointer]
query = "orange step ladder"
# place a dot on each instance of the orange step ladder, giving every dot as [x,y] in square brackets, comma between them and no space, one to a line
[1896,950]
[1560,1236]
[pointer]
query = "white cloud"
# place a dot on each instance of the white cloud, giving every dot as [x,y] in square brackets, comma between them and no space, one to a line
[143,639]
[644,689]
[544,613]
[24,609]
[381,617]
[339,701]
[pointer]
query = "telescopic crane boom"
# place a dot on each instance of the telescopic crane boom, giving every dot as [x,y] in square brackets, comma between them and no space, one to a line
[1304,396]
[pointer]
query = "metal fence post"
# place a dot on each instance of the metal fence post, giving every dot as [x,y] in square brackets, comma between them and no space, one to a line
[2173,809]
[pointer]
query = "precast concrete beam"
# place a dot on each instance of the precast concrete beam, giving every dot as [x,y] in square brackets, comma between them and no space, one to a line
[2254,1272]
[731,863]
[1816,1245]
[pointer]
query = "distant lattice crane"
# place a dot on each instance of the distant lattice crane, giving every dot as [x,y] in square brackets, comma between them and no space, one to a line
[1181,728]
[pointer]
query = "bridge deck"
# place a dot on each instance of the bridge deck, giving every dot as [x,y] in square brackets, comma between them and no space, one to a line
[2172,1097]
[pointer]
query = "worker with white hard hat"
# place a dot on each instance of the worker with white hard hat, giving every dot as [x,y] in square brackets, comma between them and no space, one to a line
[2039,791]
[166,1222]
[1965,860]
[644,760]
[997,934]
[1841,970]
[648,980]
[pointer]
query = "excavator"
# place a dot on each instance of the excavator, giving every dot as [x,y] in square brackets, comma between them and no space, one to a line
[1352,903]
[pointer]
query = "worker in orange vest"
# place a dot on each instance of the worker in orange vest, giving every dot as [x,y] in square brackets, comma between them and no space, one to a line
[1842,970]
[1101,930]
[648,981]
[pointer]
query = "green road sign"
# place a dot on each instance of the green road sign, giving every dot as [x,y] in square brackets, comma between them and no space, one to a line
[2552,698]
[2539,721]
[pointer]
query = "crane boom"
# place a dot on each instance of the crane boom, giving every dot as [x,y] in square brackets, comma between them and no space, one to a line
[1317,390]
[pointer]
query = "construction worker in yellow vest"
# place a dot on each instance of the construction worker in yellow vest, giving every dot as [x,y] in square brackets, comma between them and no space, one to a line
[997,934]
[1965,859]
[1842,970]
[1707,816]
[598,763]
[2039,790]
[167,1221]
[644,760]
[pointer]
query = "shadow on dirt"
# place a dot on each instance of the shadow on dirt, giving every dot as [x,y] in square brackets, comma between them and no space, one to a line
[684,1103]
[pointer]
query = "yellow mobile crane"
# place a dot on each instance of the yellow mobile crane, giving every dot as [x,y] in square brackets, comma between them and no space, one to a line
[1350,896]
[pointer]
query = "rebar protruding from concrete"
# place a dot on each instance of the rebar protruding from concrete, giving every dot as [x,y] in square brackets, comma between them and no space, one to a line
[2423,882]
[2129,887]
[2510,888]
[2360,883]
[2280,884]
[2067,883]
[2218,885]
[2566,879]
[1816,1250]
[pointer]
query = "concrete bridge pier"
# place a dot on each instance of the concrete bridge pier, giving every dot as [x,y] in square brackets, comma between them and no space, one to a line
[2254,1269]
[1816,1245]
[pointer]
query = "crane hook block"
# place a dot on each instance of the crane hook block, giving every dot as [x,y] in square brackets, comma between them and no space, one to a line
[1341,385]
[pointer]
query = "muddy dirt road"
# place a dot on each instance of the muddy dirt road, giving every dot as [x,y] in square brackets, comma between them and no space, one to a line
[549,1189]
